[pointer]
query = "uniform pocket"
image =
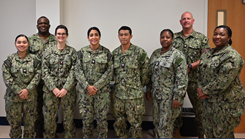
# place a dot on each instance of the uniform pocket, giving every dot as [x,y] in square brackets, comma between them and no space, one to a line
[101,65]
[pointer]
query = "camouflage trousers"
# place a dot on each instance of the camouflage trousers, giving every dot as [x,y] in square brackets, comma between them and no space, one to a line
[14,112]
[163,117]
[197,107]
[52,103]
[40,119]
[221,118]
[97,105]
[131,110]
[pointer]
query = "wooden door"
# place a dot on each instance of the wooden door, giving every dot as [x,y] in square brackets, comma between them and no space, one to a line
[235,19]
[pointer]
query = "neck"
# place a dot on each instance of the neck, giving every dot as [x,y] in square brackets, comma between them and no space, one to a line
[94,47]
[125,47]
[22,55]
[164,50]
[61,45]
[44,35]
[187,31]
[218,48]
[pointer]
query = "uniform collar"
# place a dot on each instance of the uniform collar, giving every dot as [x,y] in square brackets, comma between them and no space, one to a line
[168,53]
[181,35]
[66,50]
[50,38]
[130,49]
[27,58]
[223,50]
[99,50]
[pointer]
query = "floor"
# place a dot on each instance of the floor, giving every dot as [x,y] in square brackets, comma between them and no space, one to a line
[111,134]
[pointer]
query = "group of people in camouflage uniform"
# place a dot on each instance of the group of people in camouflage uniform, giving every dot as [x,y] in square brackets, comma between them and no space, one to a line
[45,72]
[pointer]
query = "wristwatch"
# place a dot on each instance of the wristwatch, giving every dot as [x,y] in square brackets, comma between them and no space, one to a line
[190,66]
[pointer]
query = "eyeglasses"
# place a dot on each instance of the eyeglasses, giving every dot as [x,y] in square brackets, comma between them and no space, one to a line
[61,34]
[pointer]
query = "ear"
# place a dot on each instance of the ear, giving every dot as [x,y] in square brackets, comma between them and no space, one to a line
[193,21]
[131,36]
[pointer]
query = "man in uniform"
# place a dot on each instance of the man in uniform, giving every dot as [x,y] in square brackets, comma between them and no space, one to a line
[39,42]
[131,75]
[192,44]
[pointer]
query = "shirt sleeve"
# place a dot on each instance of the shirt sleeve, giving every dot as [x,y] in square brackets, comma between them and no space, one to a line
[71,80]
[181,79]
[46,71]
[9,80]
[144,68]
[79,74]
[35,80]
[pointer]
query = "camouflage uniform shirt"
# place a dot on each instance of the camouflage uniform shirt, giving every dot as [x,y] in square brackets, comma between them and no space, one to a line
[219,75]
[21,74]
[37,46]
[130,72]
[94,68]
[58,68]
[191,47]
[168,75]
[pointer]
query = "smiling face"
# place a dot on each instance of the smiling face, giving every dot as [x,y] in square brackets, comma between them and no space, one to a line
[166,39]
[43,25]
[220,37]
[124,37]
[61,35]
[21,44]
[94,37]
[186,20]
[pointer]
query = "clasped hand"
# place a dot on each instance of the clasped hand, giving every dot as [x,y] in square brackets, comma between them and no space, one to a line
[91,90]
[24,94]
[59,93]
[200,94]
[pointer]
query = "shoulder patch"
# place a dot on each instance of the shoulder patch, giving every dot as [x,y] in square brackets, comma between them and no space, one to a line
[142,58]
[8,62]
[178,61]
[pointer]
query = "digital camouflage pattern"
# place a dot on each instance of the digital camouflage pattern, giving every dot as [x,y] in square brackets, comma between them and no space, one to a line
[58,71]
[131,74]
[131,110]
[21,74]
[192,47]
[37,47]
[168,82]
[94,68]
[219,79]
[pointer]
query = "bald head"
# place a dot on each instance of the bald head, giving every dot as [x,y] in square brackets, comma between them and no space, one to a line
[187,13]
[187,20]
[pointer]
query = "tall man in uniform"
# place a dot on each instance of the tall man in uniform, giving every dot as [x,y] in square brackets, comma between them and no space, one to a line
[192,44]
[39,42]
[131,75]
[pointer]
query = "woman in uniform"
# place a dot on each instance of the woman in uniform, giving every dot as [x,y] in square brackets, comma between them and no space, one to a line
[94,70]
[59,77]
[21,75]
[220,87]
[167,86]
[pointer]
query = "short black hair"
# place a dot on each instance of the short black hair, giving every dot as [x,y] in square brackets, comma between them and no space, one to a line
[93,28]
[21,35]
[43,17]
[125,28]
[169,30]
[61,27]
[228,29]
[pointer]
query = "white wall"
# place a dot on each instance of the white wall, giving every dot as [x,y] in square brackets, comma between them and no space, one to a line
[146,18]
